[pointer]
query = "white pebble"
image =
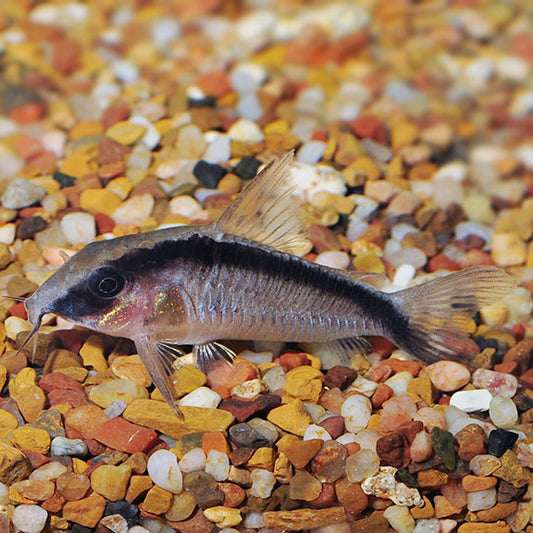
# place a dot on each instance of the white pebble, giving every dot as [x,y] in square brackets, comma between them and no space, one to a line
[367,439]
[29,518]
[263,483]
[152,136]
[164,31]
[409,256]
[125,71]
[218,150]
[115,523]
[512,68]
[429,525]
[484,465]
[398,383]
[275,378]
[186,206]
[399,518]
[365,207]
[334,259]
[483,499]
[503,412]
[316,432]
[403,276]
[362,386]
[455,171]
[135,210]
[248,77]
[64,446]
[21,193]
[311,152]
[471,401]
[217,465]
[311,179]
[464,229]
[164,471]
[78,228]
[201,397]
[356,411]
[193,461]
[14,325]
[7,233]
[361,465]
[115,408]
[254,520]
[245,130]
[4,494]
[249,106]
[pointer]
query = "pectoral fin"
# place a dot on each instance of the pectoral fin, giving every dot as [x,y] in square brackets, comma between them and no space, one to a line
[209,353]
[158,358]
[341,350]
[266,212]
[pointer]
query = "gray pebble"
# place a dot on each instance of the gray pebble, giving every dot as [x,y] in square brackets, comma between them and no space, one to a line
[64,446]
[21,193]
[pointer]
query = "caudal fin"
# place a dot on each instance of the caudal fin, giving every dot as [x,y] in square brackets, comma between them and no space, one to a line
[434,310]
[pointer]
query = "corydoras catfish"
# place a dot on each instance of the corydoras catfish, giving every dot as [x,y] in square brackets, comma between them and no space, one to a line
[241,278]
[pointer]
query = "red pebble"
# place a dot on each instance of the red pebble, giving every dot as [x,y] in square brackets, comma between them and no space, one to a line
[445,400]
[58,380]
[28,212]
[121,435]
[66,55]
[507,367]
[368,127]
[46,162]
[36,459]
[72,339]
[478,258]
[233,494]
[401,366]
[411,429]
[216,83]
[334,425]
[226,377]
[104,223]
[526,379]
[29,147]
[381,345]
[326,497]
[74,397]
[28,113]
[319,135]
[518,330]
[442,262]
[381,395]
[18,310]
[115,113]
[352,447]
[291,360]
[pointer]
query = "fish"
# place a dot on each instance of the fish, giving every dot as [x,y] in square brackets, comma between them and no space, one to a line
[243,277]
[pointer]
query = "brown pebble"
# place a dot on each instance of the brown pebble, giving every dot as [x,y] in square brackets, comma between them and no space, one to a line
[498,512]
[476,527]
[299,452]
[301,519]
[351,496]
[73,486]
[326,497]
[476,483]
[373,523]
[381,395]
[393,450]
[86,512]
[432,479]
[471,440]
[55,503]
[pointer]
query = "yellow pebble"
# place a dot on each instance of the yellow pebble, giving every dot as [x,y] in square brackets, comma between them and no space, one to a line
[125,132]
[187,379]
[157,501]
[367,167]
[78,165]
[291,417]
[3,374]
[121,187]
[30,438]
[7,420]
[403,133]
[16,497]
[223,516]
[87,128]
[262,458]
[27,377]
[99,201]
[304,383]
[92,353]
[79,466]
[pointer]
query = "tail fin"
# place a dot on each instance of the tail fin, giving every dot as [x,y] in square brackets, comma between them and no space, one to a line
[434,311]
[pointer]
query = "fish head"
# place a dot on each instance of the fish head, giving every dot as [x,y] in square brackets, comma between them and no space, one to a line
[95,291]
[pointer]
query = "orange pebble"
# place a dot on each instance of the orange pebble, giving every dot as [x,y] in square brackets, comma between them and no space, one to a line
[214,440]
[476,483]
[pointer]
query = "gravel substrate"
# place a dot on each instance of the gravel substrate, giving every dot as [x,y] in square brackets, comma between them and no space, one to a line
[412,128]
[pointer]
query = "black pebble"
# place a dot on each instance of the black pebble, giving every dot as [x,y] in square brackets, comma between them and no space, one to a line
[76,528]
[246,436]
[29,227]
[64,180]
[209,174]
[197,103]
[127,510]
[501,440]
[403,476]
[247,167]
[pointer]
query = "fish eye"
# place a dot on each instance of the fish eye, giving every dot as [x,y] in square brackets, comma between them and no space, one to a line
[106,282]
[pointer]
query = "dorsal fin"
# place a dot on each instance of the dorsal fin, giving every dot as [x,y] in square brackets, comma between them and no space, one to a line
[266,213]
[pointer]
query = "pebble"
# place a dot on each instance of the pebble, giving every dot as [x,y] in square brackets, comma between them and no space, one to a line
[78,228]
[217,465]
[356,411]
[362,465]
[399,518]
[501,440]
[498,383]
[164,471]
[447,376]
[201,397]
[471,401]
[483,499]
[245,130]
[204,489]
[29,518]
[503,412]
[111,481]
[21,193]
[193,461]
[263,483]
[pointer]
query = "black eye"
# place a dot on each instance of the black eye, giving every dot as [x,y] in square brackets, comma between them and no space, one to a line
[106,282]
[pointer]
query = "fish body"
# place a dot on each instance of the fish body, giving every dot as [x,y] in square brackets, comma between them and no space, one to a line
[242,278]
